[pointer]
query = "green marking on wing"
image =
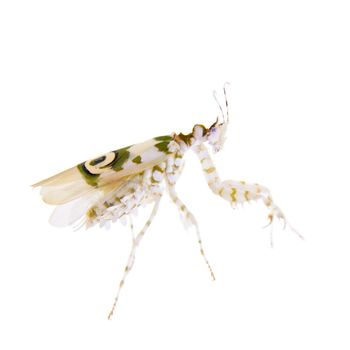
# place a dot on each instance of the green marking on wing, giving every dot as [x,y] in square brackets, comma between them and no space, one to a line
[163,138]
[137,160]
[163,147]
[97,161]
[122,156]
[90,179]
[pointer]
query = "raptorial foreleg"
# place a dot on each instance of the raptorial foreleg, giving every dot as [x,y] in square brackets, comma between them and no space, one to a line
[237,192]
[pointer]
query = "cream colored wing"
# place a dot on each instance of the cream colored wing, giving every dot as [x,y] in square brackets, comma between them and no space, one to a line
[63,187]
[106,172]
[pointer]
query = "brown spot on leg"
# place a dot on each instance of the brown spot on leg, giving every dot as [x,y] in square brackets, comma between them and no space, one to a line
[209,170]
[268,201]
[233,194]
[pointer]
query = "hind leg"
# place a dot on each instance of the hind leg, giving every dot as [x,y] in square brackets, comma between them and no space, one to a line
[131,258]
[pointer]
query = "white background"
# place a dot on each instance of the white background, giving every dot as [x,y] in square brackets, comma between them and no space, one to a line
[79,78]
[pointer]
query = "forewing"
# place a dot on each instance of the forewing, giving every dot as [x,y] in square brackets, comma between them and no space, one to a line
[63,187]
[101,174]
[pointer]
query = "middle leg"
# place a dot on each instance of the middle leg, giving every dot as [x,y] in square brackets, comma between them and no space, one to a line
[188,219]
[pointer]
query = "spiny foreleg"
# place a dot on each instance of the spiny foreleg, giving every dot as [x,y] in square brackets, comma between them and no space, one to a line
[237,192]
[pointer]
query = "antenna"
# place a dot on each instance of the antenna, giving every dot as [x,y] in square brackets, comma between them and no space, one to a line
[226,102]
[217,101]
